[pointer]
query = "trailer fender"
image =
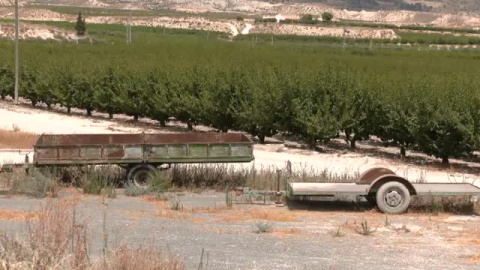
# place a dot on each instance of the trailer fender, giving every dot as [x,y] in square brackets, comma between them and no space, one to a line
[369,176]
[377,183]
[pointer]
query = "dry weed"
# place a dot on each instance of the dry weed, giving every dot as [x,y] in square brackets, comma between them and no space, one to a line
[286,231]
[18,215]
[277,215]
[14,139]
[474,259]
[139,258]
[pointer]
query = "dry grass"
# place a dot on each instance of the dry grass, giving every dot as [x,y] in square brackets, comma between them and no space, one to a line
[474,259]
[286,231]
[139,258]
[13,139]
[18,215]
[276,215]
[56,240]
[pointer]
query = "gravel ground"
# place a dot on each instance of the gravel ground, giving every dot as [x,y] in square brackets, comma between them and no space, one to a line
[301,238]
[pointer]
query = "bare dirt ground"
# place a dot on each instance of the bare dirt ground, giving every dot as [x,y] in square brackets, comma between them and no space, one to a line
[336,157]
[314,236]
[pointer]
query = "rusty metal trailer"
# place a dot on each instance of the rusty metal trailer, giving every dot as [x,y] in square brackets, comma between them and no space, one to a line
[140,153]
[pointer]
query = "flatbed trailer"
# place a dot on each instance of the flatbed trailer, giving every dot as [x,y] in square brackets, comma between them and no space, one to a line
[380,186]
[140,153]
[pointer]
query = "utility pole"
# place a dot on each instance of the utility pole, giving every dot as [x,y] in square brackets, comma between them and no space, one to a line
[17,28]
[129,30]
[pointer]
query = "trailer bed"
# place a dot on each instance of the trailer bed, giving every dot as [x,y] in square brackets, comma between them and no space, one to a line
[335,189]
[164,148]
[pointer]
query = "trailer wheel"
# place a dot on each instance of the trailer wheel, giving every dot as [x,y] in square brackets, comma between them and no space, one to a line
[138,174]
[393,198]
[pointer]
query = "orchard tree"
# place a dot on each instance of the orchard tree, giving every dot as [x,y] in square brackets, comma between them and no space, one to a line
[84,86]
[7,82]
[108,92]
[133,95]
[258,111]
[29,85]
[364,114]
[445,133]
[161,87]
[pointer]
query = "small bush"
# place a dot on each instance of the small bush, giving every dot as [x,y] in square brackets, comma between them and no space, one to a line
[327,16]
[263,227]
[134,191]
[36,183]
[158,182]
[98,178]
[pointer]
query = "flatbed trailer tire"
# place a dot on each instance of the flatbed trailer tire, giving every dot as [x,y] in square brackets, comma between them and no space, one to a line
[138,174]
[393,198]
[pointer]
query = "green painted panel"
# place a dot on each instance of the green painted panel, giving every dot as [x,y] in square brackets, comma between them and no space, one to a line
[241,150]
[198,150]
[219,150]
[133,152]
[158,152]
[177,150]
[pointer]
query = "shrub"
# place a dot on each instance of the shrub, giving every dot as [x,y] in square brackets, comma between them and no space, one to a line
[327,16]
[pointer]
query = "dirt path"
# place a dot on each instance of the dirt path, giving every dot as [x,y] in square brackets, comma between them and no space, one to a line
[320,238]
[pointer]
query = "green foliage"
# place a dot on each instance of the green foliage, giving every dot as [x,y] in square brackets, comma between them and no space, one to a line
[308,19]
[7,82]
[327,16]
[80,26]
[424,100]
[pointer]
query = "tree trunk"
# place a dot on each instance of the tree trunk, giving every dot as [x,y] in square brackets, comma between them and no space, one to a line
[190,126]
[445,161]
[135,118]
[261,137]
[312,143]
[3,97]
[49,106]
[163,123]
[69,109]
[110,115]
[353,143]
[34,103]
[89,111]
[403,151]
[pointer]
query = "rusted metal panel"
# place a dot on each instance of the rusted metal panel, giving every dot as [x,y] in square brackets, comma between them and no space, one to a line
[137,148]
[113,152]
[91,152]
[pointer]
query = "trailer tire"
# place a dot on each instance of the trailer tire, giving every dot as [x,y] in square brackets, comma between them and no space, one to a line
[393,198]
[138,174]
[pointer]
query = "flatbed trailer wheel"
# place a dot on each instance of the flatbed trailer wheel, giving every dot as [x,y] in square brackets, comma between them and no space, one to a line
[393,198]
[138,174]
